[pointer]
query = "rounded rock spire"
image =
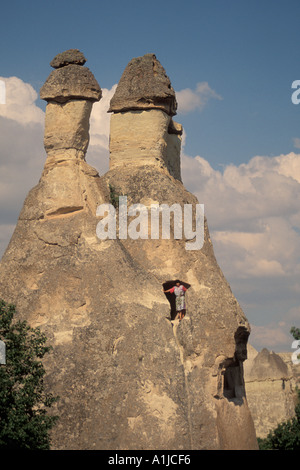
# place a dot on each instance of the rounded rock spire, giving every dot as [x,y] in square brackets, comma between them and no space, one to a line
[144,85]
[70,79]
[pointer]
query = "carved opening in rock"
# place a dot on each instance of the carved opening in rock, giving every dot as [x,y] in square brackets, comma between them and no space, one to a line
[233,384]
[234,387]
[172,298]
[172,301]
[241,338]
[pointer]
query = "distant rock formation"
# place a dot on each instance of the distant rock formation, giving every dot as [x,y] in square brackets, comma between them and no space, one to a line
[127,377]
[269,390]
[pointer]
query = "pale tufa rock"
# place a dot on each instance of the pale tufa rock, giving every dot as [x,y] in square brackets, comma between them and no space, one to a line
[127,377]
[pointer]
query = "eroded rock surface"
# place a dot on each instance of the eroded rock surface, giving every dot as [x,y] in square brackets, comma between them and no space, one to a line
[70,91]
[144,85]
[142,130]
[70,79]
[71,56]
[127,377]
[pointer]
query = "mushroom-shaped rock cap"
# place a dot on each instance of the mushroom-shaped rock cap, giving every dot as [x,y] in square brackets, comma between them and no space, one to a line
[69,80]
[71,56]
[144,85]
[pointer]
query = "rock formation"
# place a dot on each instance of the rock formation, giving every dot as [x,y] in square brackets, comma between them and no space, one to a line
[269,388]
[144,85]
[127,377]
[142,130]
[70,91]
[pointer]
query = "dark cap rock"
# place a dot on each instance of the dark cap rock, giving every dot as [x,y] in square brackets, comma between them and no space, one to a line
[144,85]
[70,82]
[71,56]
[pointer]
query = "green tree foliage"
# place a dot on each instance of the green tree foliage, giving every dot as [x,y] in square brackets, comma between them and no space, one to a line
[114,196]
[295,332]
[24,423]
[286,436]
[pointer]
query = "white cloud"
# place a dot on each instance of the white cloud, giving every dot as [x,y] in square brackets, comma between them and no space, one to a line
[20,102]
[289,165]
[273,336]
[98,150]
[276,334]
[100,119]
[253,212]
[22,151]
[274,251]
[190,100]
[2,92]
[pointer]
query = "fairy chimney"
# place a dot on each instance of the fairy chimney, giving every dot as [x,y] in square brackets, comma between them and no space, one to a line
[142,131]
[127,376]
[70,91]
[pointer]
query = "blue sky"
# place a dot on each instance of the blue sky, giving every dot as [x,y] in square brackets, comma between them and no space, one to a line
[247,54]
[246,50]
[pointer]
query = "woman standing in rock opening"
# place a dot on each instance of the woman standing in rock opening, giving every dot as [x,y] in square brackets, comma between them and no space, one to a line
[179,291]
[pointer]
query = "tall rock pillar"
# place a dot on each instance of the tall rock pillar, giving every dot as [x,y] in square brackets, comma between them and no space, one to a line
[127,376]
[142,129]
[70,91]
